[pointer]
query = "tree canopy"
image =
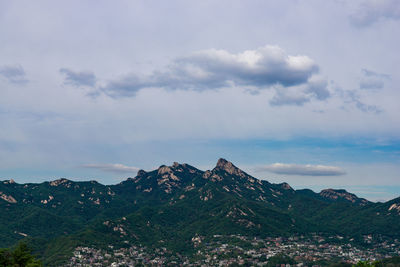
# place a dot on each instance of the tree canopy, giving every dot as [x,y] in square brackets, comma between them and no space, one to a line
[20,256]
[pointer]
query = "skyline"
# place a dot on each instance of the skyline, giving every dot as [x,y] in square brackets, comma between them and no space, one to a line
[289,91]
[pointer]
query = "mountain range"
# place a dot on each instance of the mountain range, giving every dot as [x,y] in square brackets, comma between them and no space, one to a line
[173,204]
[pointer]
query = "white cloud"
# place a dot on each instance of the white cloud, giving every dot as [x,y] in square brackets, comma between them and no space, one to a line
[114,168]
[211,69]
[306,170]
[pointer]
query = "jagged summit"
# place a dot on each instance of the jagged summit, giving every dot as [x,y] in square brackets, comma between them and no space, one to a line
[222,162]
[175,164]
[336,193]
[176,167]
[342,195]
[141,172]
[11,181]
[60,181]
[286,186]
[227,166]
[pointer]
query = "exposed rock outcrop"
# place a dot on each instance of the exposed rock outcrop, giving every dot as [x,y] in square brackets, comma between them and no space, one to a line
[341,194]
[8,198]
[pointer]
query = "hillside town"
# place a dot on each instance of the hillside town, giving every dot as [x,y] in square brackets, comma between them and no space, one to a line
[240,250]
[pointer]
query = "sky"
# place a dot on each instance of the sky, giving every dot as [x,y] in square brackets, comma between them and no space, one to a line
[304,92]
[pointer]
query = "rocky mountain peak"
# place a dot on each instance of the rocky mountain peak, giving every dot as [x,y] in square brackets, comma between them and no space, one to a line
[141,172]
[228,166]
[336,193]
[169,169]
[286,186]
[222,163]
[175,164]
[341,194]
[164,169]
[59,182]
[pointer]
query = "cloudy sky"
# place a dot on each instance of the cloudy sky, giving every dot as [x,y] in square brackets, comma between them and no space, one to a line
[305,92]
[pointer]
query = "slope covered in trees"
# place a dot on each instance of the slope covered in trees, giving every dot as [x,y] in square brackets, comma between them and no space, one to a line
[173,204]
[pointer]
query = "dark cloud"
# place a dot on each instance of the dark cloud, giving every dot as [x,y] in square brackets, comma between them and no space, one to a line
[371,11]
[13,74]
[315,88]
[373,80]
[305,170]
[318,88]
[78,79]
[114,168]
[211,69]
[126,86]
[355,98]
[284,97]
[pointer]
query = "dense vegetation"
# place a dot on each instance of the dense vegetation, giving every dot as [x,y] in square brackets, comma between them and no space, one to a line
[20,256]
[173,204]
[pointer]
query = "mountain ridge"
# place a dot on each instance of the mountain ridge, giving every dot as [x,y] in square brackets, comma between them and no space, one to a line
[178,202]
[222,164]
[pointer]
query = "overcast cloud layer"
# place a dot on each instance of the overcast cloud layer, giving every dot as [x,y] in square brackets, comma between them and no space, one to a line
[126,83]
